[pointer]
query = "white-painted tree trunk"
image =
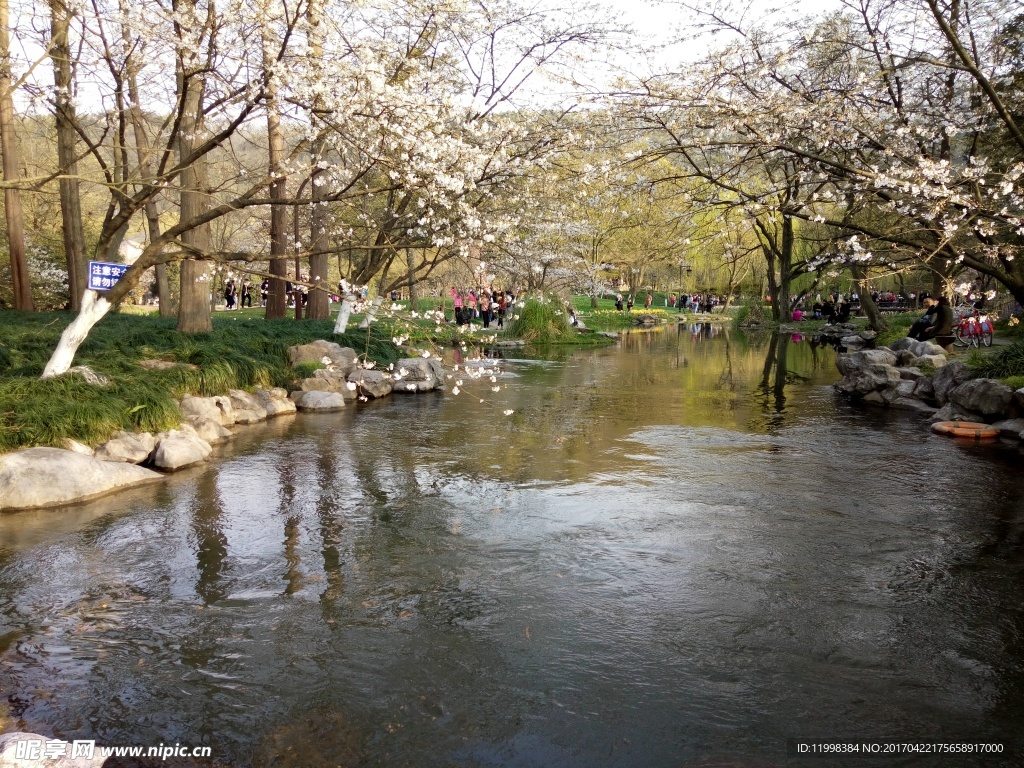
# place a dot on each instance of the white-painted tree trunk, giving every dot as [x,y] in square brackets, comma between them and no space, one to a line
[371,313]
[343,315]
[94,307]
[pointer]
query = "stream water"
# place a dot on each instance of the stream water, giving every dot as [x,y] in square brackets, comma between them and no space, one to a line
[682,550]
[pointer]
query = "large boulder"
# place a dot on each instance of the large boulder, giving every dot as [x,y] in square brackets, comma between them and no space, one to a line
[48,477]
[73,445]
[275,401]
[211,431]
[247,409]
[342,358]
[952,412]
[985,396]
[371,383]
[1010,427]
[912,404]
[417,374]
[330,380]
[130,447]
[31,750]
[935,361]
[948,378]
[924,390]
[316,401]
[180,448]
[867,371]
[918,348]
[217,408]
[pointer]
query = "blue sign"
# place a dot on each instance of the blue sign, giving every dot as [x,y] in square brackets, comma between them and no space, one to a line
[102,276]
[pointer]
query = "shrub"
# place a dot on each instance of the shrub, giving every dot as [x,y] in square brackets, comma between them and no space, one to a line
[540,320]
[1003,363]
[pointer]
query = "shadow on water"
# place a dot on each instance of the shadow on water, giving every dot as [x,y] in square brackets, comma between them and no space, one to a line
[680,550]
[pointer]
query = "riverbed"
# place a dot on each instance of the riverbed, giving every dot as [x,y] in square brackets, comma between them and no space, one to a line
[681,550]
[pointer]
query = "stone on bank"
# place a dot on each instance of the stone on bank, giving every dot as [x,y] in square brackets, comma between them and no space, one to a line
[49,477]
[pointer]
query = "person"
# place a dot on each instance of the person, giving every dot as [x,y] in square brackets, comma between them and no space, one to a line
[798,314]
[671,301]
[924,321]
[618,301]
[229,294]
[817,309]
[246,294]
[502,308]
[264,292]
[484,302]
[942,325]
[629,303]
[648,301]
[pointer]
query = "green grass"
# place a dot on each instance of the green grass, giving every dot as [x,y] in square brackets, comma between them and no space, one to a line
[898,324]
[241,353]
[999,363]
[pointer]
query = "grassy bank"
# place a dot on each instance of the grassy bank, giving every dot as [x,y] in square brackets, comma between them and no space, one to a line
[241,353]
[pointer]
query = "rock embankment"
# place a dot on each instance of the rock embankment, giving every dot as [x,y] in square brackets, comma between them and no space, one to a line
[915,375]
[48,477]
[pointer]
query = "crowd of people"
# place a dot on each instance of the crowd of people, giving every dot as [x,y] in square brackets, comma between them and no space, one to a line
[485,304]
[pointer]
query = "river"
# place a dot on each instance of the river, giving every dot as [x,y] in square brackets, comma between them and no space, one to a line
[681,550]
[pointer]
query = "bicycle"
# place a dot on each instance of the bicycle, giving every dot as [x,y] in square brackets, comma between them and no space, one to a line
[972,328]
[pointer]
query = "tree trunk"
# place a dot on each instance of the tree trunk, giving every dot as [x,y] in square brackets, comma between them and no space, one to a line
[163,287]
[70,197]
[414,296]
[12,197]
[194,312]
[277,300]
[92,309]
[786,269]
[874,317]
[319,306]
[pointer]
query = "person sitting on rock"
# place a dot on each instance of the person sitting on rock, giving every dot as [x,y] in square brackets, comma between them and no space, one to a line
[926,320]
[942,325]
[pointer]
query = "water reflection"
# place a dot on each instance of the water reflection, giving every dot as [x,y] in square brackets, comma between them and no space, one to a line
[681,550]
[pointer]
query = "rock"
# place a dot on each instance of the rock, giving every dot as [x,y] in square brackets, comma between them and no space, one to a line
[912,404]
[342,358]
[875,398]
[852,342]
[217,408]
[947,378]
[320,402]
[509,343]
[923,389]
[867,371]
[371,383]
[1010,427]
[275,402]
[869,335]
[906,388]
[31,742]
[247,409]
[211,431]
[90,376]
[951,412]
[644,319]
[906,358]
[47,477]
[417,374]
[330,380]
[180,448]
[918,348]
[73,445]
[1018,400]
[985,396]
[935,361]
[131,447]
[910,374]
